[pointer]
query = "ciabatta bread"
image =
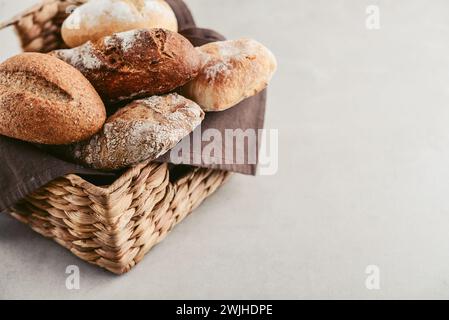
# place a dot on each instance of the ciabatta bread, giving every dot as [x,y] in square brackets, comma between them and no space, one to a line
[143,130]
[44,100]
[99,18]
[135,64]
[231,72]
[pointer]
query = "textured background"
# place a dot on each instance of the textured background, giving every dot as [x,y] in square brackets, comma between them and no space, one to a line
[363,180]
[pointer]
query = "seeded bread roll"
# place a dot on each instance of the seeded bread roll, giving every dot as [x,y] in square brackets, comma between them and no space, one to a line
[100,18]
[231,72]
[44,100]
[143,130]
[135,64]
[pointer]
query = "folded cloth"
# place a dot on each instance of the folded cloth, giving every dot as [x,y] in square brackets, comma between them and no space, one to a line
[25,168]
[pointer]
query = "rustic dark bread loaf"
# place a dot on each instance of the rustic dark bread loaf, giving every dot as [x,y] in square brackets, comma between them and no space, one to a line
[45,100]
[135,64]
[143,130]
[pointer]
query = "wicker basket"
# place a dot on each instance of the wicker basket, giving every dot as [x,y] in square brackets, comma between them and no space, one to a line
[110,226]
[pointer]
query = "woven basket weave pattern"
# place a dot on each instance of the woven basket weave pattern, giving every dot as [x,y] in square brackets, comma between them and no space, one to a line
[114,226]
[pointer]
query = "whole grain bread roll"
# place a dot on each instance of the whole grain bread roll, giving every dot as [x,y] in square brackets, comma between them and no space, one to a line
[143,130]
[99,18]
[135,64]
[45,100]
[231,72]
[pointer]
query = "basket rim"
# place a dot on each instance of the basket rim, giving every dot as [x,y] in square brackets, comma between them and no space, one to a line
[129,174]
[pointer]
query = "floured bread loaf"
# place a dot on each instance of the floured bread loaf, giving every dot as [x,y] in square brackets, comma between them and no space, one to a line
[143,130]
[135,64]
[44,100]
[99,18]
[231,72]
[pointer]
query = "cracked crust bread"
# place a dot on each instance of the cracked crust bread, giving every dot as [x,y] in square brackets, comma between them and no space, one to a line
[143,130]
[135,64]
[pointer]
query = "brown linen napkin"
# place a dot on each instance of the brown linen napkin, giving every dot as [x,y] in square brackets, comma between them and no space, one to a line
[26,168]
[247,115]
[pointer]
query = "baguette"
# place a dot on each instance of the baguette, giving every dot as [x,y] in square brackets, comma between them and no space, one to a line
[44,100]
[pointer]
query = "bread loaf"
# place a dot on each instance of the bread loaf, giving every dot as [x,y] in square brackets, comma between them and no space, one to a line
[231,72]
[143,130]
[97,19]
[44,100]
[135,64]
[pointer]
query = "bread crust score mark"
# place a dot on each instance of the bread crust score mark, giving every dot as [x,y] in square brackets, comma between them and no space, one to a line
[47,101]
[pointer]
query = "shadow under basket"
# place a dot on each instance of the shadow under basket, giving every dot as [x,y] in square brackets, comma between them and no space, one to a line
[110,226]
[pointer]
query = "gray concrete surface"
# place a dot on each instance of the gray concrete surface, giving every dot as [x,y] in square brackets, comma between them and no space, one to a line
[363,180]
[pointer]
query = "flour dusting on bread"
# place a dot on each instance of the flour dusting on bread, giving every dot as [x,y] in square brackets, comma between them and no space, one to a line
[231,72]
[143,130]
[125,40]
[135,64]
[157,6]
[96,19]
[91,14]
[217,68]
[219,60]
[128,39]
[82,58]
